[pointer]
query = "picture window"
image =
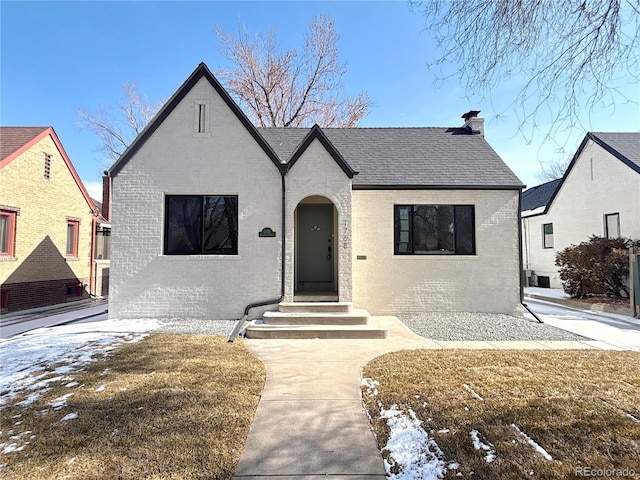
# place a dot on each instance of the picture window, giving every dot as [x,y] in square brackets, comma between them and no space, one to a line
[434,230]
[201,225]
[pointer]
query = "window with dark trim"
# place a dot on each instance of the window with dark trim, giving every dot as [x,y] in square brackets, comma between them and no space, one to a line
[612,225]
[201,225]
[434,230]
[73,230]
[547,235]
[7,233]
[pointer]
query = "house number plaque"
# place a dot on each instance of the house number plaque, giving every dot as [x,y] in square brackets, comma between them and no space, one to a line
[266,232]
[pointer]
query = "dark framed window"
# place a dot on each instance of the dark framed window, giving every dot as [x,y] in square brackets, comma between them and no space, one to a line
[73,230]
[434,230]
[547,235]
[612,225]
[201,225]
[7,232]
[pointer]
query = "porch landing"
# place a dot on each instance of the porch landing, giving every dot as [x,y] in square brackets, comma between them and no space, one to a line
[327,320]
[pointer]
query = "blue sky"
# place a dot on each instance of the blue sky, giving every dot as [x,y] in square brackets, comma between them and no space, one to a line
[58,57]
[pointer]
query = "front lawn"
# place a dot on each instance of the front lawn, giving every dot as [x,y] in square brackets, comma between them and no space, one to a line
[506,414]
[166,407]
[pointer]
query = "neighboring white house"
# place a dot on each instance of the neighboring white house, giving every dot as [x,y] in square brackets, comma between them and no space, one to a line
[211,214]
[599,194]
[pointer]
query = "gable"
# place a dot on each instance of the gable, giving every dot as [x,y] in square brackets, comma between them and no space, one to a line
[20,140]
[622,146]
[202,72]
[316,134]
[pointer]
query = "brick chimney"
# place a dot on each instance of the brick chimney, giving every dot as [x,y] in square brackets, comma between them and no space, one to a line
[473,122]
[106,196]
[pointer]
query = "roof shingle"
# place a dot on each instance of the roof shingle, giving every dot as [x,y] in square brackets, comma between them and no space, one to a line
[12,138]
[408,157]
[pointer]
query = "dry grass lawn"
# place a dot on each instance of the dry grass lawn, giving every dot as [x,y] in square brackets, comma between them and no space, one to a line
[581,407]
[167,407]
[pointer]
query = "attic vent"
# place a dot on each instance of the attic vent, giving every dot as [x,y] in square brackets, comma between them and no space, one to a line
[201,121]
[201,116]
[47,165]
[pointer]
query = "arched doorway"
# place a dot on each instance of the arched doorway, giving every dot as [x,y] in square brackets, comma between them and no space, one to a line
[315,249]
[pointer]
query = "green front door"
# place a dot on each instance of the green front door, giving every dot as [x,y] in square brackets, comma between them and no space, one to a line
[315,249]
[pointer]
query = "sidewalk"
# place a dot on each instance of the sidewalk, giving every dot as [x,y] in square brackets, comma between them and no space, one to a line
[24,320]
[557,295]
[310,420]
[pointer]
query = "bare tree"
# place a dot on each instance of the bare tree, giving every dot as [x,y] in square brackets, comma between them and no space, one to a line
[118,127]
[570,52]
[289,89]
[552,170]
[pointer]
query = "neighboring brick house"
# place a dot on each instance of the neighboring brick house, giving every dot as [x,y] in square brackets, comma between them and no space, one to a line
[599,194]
[47,222]
[211,214]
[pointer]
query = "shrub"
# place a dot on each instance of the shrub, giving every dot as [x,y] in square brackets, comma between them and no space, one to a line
[597,267]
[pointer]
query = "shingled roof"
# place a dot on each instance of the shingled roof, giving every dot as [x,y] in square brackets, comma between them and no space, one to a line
[534,199]
[429,157]
[13,138]
[623,145]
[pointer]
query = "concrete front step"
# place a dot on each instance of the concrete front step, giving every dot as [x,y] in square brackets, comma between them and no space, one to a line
[259,330]
[315,320]
[334,307]
[354,317]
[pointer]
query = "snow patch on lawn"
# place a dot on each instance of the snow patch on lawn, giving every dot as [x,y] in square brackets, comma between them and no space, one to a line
[531,442]
[480,445]
[32,362]
[412,453]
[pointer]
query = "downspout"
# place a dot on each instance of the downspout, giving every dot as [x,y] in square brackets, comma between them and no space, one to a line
[240,323]
[520,257]
[92,267]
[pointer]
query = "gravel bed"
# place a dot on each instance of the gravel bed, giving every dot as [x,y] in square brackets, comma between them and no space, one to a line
[464,326]
[196,326]
[456,326]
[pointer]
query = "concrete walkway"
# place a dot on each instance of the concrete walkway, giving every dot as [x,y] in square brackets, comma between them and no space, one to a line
[310,421]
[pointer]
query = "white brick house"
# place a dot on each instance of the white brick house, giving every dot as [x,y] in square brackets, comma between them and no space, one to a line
[599,194]
[211,214]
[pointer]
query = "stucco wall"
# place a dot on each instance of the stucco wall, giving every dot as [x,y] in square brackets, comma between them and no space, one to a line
[385,283]
[40,269]
[175,160]
[598,184]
